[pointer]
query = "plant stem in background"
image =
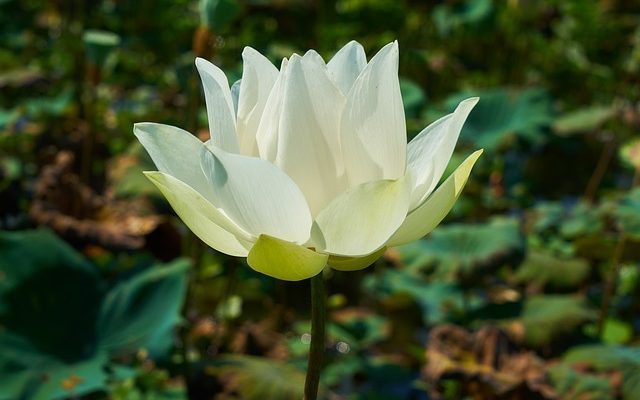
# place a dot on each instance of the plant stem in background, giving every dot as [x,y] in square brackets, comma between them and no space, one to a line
[612,281]
[316,351]
[89,102]
[601,167]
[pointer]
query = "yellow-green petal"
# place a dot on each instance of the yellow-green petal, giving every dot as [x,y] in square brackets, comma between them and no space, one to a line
[285,260]
[204,220]
[362,219]
[354,263]
[429,214]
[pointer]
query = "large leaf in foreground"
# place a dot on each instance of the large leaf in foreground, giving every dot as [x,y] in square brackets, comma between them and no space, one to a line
[49,294]
[52,346]
[142,311]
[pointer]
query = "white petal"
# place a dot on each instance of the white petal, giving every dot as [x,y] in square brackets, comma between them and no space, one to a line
[314,57]
[222,122]
[175,152]
[374,140]
[258,196]
[204,220]
[258,77]
[346,65]
[304,138]
[428,153]
[361,220]
[267,134]
[429,214]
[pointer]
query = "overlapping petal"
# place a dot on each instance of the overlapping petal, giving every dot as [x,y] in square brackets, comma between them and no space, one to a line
[172,150]
[258,77]
[429,214]
[220,109]
[257,195]
[430,151]
[300,131]
[268,128]
[360,220]
[285,260]
[346,65]
[204,220]
[373,130]
[354,263]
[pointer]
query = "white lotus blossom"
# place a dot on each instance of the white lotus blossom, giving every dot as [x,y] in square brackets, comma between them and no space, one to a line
[308,165]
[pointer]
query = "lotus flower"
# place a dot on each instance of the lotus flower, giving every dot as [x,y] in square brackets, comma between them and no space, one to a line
[309,165]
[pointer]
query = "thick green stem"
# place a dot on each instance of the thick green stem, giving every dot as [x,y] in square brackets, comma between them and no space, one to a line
[318,319]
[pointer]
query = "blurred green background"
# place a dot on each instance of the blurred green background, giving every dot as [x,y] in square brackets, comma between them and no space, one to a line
[529,290]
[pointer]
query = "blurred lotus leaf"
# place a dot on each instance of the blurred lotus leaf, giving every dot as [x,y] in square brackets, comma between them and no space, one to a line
[630,153]
[437,300]
[609,359]
[583,120]
[502,114]
[487,362]
[359,327]
[386,380]
[217,14]
[464,251]
[61,322]
[99,44]
[256,378]
[545,270]
[578,384]
[628,213]
[49,105]
[582,219]
[447,17]
[545,216]
[547,318]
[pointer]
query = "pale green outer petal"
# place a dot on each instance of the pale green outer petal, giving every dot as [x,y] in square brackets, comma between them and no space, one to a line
[258,77]
[429,214]
[373,130]
[361,220]
[428,153]
[267,134]
[256,195]
[220,110]
[204,220]
[346,65]
[285,260]
[354,263]
[175,152]
[307,137]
